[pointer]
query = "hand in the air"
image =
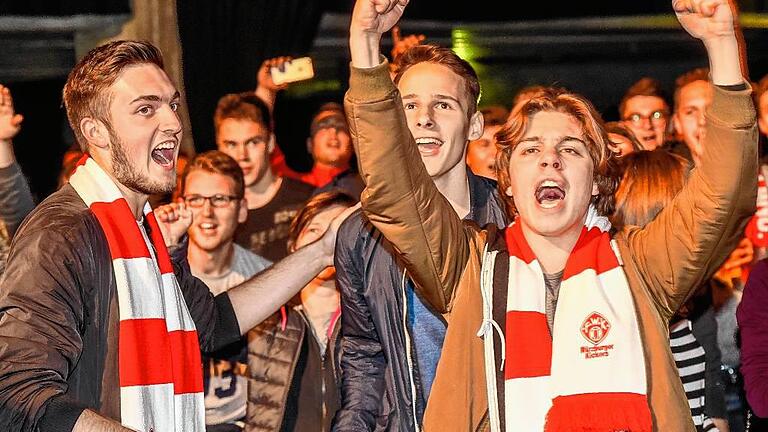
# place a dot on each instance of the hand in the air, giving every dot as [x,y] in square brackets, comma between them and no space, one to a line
[264,76]
[174,219]
[706,19]
[10,122]
[376,16]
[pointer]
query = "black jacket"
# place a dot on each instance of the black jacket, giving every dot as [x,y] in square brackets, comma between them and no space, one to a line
[59,319]
[376,373]
[291,385]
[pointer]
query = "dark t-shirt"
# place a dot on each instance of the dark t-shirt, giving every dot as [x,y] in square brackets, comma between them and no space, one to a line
[265,232]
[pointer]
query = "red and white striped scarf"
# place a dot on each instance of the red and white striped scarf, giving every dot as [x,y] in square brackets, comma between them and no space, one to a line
[590,376]
[161,386]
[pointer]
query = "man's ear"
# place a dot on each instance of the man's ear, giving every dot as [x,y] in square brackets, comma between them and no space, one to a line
[95,132]
[476,125]
[242,215]
[309,147]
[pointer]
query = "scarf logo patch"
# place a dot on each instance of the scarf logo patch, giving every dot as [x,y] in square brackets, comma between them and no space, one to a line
[595,328]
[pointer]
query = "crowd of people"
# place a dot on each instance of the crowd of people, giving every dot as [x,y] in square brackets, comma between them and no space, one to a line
[483,268]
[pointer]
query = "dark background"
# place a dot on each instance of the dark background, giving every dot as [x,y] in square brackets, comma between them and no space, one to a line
[597,48]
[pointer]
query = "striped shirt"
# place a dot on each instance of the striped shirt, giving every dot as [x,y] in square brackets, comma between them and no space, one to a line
[690,361]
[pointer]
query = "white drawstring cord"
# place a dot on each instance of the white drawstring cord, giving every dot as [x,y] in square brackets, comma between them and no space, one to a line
[489,324]
[485,327]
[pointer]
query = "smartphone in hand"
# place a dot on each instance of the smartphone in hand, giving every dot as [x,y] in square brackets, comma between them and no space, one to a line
[298,69]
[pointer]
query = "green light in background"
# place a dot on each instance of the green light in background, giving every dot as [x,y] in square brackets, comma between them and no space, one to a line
[464,46]
[308,88]
[461,39]
[754,20]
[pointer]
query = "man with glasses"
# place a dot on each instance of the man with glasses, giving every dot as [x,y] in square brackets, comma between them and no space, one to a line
[212,186]
[645,111]
[244,132]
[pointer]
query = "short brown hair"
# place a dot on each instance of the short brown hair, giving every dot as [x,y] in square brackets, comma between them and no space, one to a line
[242,106]
[446,57]
[555,99]
[645,86]
[698,74]
[527,93]
[86,90]
[315,205]
[216,162]
[651,180]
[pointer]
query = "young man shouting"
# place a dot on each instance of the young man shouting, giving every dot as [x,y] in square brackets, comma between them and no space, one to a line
[509,362]
[99,328]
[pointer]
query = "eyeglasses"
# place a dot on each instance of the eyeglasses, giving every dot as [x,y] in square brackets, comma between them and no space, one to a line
[218,200]
[655,117]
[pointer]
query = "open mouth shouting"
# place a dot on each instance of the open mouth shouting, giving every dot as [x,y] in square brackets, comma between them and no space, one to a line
[165,152]
[549,193]
[429,146]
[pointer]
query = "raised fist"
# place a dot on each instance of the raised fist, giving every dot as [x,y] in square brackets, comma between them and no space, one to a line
[376,16]
[174,219]
[706,19]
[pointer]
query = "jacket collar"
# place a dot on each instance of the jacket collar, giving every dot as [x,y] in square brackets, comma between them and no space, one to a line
[484,204]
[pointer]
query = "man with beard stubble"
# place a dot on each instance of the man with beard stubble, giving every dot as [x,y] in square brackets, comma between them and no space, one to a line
[100,329]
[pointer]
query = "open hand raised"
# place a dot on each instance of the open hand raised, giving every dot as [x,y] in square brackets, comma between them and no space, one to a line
[10,122]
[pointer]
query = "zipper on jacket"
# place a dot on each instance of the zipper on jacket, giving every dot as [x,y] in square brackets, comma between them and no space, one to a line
[408,358]
[322,367]
[330,348]
[294,360]
[322,392]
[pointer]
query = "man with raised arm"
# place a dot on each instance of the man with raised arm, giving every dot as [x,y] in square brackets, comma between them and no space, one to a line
[602,362]
[391,337]
[15,197]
